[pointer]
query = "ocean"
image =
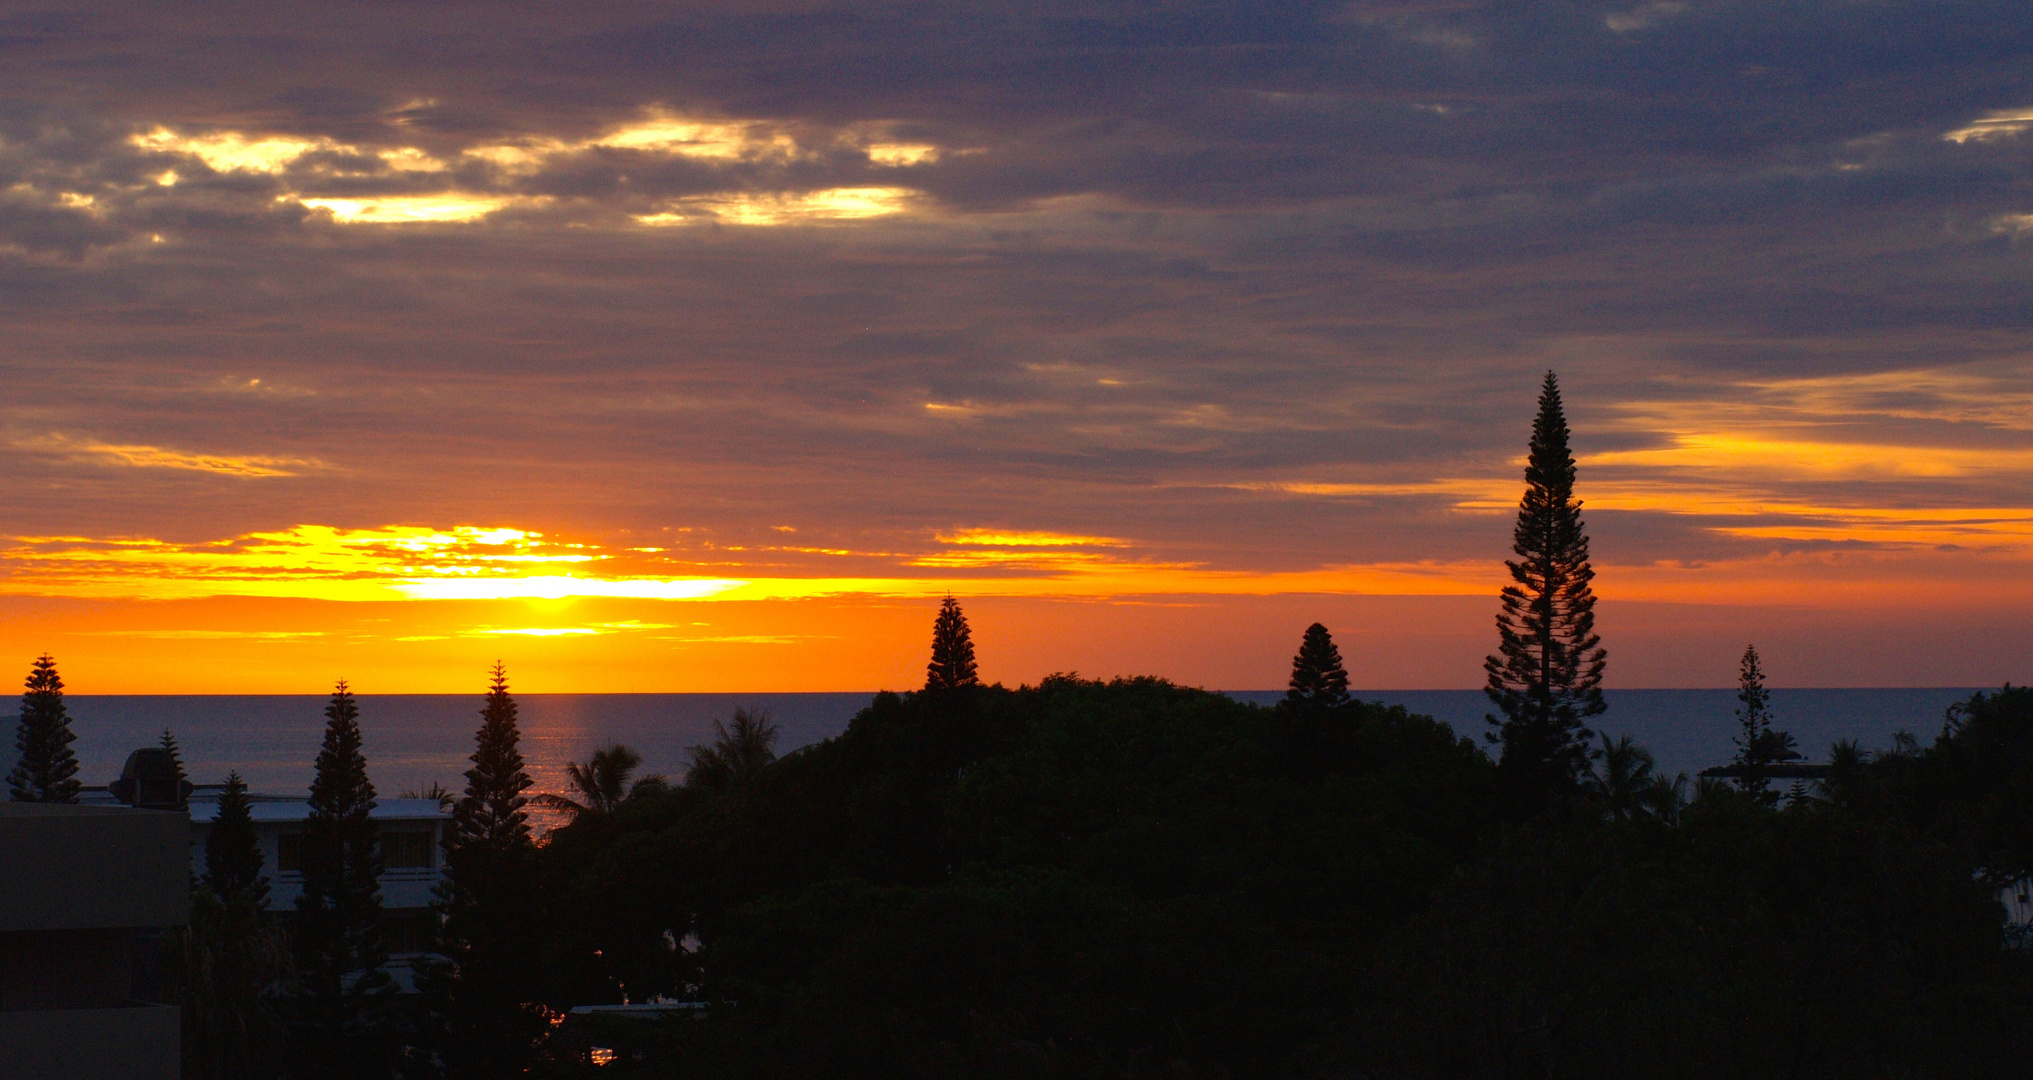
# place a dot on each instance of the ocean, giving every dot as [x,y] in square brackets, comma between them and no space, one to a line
[412,740]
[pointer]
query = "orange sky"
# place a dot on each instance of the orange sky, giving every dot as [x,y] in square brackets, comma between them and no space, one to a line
[657,349]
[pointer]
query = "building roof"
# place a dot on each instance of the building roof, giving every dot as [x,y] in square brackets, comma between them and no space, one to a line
[294,808]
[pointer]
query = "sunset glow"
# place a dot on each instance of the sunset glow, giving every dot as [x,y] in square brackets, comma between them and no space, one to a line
[1157,348]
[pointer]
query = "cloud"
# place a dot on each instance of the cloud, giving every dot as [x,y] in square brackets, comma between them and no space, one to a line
[156,457]
[1193,296]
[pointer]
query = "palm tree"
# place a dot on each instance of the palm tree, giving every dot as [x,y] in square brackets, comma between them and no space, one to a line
[1622,784]
[601,783]
[740,750]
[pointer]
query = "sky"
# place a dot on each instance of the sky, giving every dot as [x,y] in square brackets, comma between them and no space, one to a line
[653,347]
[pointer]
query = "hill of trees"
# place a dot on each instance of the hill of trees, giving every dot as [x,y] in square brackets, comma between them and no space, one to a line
[1130,878]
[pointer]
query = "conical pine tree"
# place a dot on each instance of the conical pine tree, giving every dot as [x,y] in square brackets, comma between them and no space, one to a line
[1318,679]
[490,906]
[1759,745]
[176,766]
[492,814]
[233,861]
[340,956]
[952,650]
[1546,677]
[47,770]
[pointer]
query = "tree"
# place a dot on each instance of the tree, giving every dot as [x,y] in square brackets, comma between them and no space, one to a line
[952,650]
[1546,676]
[233,860]
[602,783]
[490,905]
[229,956]
[340,957]
[1624,786]
[1759,746]
[176,766]
[1318,679]
[47,770]
[739,751]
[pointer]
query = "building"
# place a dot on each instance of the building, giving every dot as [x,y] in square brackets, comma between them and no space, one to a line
[411,830]
[85,892]
[412,865]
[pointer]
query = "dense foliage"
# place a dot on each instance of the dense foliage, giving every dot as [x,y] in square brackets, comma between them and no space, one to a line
[1123,879]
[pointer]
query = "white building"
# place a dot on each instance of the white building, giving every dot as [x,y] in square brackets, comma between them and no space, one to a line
[412,861]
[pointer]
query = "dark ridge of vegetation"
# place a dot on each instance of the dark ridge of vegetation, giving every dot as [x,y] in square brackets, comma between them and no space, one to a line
[1127,879]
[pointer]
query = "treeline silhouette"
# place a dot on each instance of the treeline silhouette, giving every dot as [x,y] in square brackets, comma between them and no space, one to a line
[1129,878]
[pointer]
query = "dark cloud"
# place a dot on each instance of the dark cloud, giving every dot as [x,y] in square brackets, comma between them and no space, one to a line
[1145,252]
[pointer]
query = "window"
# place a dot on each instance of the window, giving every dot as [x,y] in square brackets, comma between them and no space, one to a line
[289,853]
[408,850]
[407,931]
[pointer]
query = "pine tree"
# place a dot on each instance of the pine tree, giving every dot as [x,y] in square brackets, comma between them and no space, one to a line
[491,816]
[952,650]
[340,957]
[233,862]
[1546,677]
[1759,745]
[182,782]
[47,770]
[490,906]
[1318,679]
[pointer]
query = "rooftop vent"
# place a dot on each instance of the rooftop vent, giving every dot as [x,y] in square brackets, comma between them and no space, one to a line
[150,781]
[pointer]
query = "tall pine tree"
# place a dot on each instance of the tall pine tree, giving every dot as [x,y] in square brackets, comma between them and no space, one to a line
[1318,679]
[1759,745]
[231,955]
[343,1029]
[952,650]
[47,770]
[493,1023]
[1546,677]
[182,782]
[233,862]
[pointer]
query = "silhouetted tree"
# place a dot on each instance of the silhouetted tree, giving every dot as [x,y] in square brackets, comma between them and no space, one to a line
[340,957]
[176,768]
[1623,786]
[740,750]
[1759,746]
[1318,679]
[224,962]
[47,770]
[233,860]
[1546,676]
[602,783]
[952,650]
[490,905]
